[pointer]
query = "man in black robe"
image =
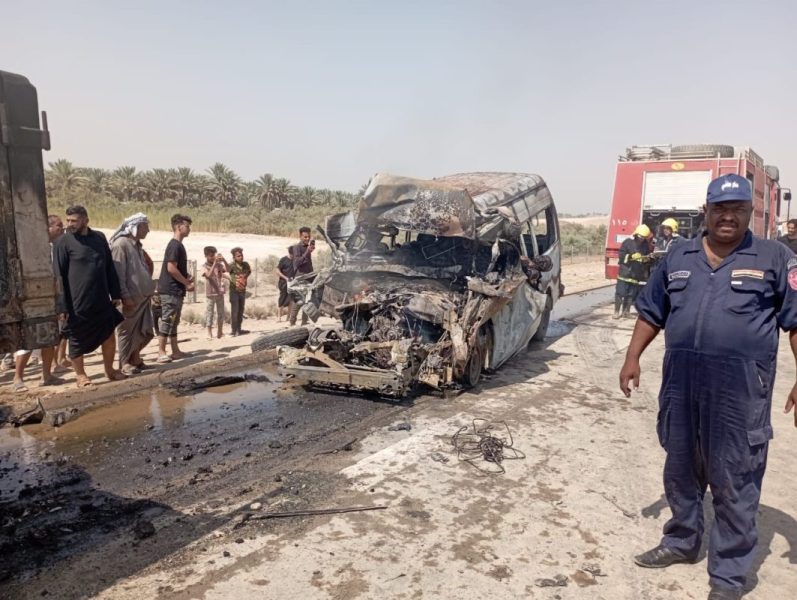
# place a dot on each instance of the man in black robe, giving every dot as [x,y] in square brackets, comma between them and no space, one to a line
[85,266]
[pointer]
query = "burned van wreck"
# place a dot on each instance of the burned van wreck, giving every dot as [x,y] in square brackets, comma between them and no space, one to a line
[432,281]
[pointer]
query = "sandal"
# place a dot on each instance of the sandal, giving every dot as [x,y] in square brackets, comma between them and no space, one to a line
[130,370]
[116,376]
[19,387]
[85,383]
[51,381]
[164,359]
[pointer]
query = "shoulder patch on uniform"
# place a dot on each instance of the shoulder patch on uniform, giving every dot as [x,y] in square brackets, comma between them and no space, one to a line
[793,279]
[749,273]
[680,275]
[792,263]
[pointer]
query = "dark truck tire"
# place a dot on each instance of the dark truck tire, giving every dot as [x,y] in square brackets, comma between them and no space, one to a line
[723,150]
[295,337]
[772,172]
[542,329]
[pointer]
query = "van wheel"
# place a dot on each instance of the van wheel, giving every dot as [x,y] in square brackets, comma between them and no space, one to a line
[473,370]
[542,329]
[295,337]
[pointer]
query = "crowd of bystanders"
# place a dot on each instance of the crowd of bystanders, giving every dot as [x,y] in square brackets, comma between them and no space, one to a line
[111,299]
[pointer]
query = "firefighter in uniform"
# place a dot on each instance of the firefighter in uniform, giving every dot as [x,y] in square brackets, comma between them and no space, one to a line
[669,237]
[633,259]
[720,298]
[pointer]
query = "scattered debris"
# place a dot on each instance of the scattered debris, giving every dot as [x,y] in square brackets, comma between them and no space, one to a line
[275,444]
[255,506]
[400,427]
[193,385]
[322,511]
[437,457]
[593,569]
[30,417]
[347,447]
[557,581]
[143,529]
[613,502]
[56,419]
[226,554]
[478,442]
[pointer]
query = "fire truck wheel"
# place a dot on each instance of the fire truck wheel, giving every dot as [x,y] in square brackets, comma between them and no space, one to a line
[296,337]
[722,150]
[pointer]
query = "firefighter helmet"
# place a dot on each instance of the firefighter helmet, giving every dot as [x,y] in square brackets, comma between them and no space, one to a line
[642,231]
[671,223]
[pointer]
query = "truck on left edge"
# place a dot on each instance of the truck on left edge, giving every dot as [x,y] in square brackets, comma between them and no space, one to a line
[28,289]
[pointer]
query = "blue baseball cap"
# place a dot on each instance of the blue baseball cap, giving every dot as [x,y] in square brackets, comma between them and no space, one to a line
[729,187]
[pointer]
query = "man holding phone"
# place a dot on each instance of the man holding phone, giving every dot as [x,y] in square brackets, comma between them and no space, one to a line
[302,264]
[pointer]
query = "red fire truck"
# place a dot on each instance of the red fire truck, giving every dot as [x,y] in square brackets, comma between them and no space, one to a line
[653,183]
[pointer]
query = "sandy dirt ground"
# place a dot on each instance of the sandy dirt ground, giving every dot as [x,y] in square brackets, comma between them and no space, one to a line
[591,221]
[254,246]
[562,522]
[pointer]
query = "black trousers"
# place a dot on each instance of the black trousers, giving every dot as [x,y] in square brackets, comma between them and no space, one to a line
[237,302]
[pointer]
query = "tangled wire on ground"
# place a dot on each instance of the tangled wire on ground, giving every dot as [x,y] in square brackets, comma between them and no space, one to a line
[479,441]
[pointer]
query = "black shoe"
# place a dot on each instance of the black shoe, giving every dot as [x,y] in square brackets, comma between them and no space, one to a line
[724,593]
[243,332]
[659,558]
[234,334]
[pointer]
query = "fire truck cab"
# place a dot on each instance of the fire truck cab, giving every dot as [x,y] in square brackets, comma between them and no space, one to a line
[653,183]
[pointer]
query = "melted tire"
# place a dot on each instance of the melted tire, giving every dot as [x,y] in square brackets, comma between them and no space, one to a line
[474,368]
[295,337]
[542,328]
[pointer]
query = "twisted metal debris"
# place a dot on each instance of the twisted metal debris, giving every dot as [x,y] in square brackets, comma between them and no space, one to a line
[477,442]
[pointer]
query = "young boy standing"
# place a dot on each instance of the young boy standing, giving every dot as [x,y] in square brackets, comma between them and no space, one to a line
[215,272]
[239,275]
[284,275]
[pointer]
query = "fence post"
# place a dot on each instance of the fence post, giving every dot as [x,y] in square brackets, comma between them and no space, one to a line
[193,273]
[256,269]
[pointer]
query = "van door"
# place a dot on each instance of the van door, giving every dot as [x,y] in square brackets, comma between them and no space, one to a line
[545,229]
[27,287]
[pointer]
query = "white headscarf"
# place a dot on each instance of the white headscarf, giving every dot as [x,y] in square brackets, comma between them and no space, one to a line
[129,226]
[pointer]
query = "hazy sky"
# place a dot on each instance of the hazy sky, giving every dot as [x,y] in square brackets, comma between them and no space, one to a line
[328,93]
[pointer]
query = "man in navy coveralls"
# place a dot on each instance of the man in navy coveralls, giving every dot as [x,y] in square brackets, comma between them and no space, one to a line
[720,299]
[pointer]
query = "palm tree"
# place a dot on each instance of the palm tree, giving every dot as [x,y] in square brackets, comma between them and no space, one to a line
[283,193]
[160,184]
[186,184]
[265,191]
[125,183]
[306,196]
[225,182]
[97,180]
[64,177]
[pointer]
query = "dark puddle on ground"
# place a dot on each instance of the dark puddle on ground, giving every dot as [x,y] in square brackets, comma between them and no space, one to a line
[570,307]
[33,454]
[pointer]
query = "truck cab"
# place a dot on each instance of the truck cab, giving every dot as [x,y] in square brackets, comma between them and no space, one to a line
[28,318]
[654,183]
